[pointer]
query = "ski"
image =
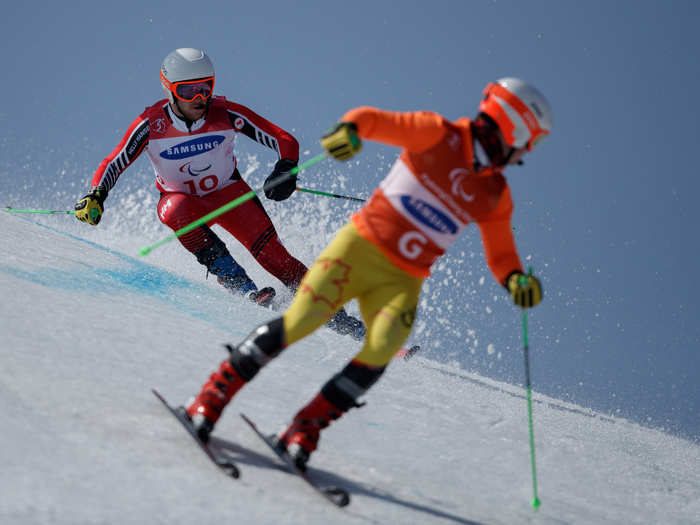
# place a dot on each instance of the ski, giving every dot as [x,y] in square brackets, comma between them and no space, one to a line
[226,465]
[407,353]
[335,495]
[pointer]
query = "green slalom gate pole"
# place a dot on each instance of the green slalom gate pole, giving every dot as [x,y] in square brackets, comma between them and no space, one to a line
[526,351]
[335,195]
[226,207]
[47,212]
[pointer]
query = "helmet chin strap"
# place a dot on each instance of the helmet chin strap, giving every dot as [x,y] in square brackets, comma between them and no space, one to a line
[519,162]
[508,156]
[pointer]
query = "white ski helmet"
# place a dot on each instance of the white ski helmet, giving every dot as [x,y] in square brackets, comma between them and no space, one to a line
[521,112]
[185,64]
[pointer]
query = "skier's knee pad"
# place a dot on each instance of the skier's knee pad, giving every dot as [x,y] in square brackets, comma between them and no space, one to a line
[353,381]
[262,345]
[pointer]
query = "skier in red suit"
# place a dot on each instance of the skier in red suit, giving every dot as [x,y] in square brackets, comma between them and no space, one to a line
[190,138]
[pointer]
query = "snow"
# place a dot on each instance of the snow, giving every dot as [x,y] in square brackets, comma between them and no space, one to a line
[87,330]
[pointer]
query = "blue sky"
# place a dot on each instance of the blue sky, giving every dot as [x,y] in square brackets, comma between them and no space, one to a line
[605,207]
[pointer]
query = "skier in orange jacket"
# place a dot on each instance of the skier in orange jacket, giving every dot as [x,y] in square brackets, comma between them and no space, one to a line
[449,174]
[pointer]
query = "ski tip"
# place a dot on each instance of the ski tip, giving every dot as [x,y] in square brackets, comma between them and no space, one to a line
[228,467]
[337,495]
[408,353]
[159,396]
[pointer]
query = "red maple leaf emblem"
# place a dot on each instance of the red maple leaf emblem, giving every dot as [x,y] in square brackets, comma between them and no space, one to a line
[332,295]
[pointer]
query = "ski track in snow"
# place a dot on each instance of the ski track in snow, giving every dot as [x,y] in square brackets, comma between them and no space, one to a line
[86,331]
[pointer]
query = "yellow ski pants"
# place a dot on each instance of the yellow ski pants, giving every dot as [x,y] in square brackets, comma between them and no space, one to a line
[352,267]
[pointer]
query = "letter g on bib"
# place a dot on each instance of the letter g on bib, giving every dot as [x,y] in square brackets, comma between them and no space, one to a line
[411,244]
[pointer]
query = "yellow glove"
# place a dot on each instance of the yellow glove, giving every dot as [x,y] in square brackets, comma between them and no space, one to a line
[525,290]
[341,141]
[89,208]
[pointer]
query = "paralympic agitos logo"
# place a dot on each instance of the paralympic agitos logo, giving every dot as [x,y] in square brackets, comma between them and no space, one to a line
[192,147]
[193,171]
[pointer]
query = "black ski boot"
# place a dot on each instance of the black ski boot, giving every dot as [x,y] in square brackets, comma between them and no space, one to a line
[345,324]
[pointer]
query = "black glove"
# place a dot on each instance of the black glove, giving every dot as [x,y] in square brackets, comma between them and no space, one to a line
[525,290]
[280,184]
[341,141]
[89,209]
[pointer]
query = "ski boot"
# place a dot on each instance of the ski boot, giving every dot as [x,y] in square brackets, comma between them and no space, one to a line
[232,276]
[301,438]
[263,297]
[206,408]
[244,362]
[345,324]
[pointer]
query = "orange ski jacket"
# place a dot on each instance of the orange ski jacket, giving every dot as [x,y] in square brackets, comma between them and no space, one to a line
[433,192]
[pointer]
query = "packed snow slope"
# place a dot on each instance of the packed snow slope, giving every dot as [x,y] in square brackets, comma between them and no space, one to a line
[87,331]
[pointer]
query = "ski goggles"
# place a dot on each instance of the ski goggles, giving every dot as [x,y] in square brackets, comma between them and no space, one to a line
[189,90]
[516,121]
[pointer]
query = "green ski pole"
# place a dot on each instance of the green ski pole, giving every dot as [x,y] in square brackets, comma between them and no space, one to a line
[226,207]
[526,347]
[335,195]
[48,212]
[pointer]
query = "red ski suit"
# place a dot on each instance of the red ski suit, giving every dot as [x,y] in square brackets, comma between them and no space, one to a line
[196,173]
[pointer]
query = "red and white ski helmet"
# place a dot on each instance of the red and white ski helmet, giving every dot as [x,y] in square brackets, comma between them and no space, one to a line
[521,112]
[183,64]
